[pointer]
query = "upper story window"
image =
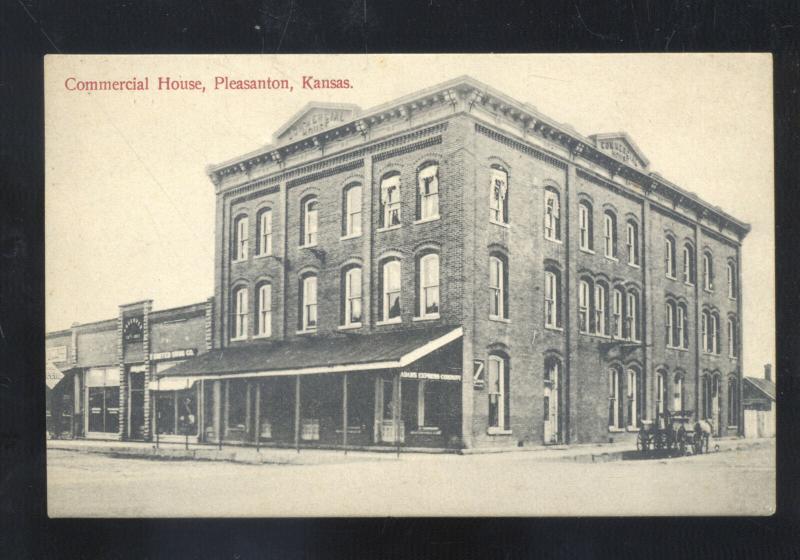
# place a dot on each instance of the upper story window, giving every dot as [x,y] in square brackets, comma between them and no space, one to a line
[671,331]
[428,282]
[239,324]
[710,332]
[733,337]
[688,263]
[428,192]
[682,326]
[390,290]
[708,271]
[309,221]
[610,234]
[552,298]
[600,318]
[264,236]
[585,225]
[552,214]
[669,256]
[632,315]
[241,234]
[499,390]
[584,291]
[351,297]
[498,195]
[390,201]
[617,307]
[308,302]
[498,286]
[264,326]
[351,211]
[731,280]
[632,242]
[678,393]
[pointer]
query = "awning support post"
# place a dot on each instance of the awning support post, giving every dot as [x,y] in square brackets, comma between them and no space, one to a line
[344,413]
[186,444]
[155,408]
[258,416]
[297,413]
[396,413]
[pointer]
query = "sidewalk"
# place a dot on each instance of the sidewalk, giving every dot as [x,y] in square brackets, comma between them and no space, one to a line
[584,453]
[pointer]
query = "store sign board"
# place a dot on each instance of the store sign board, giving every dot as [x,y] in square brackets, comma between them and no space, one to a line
[478,380]
[52,375]
[133,330]
[431,376]
[56,354]
[185,353]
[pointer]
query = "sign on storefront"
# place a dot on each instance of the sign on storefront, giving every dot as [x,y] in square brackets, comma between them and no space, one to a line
[430,376]
[478,380]
[185,353]
[52,375]
[56,354]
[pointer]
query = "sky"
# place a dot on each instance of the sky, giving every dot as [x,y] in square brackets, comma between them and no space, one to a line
[129,209]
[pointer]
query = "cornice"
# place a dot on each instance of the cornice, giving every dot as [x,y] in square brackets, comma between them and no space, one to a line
[465,94]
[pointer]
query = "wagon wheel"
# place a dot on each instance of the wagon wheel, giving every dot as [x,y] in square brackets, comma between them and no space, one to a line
[642,442]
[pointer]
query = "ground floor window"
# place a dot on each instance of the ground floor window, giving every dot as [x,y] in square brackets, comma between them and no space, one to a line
[176,412]
[615,402]
[733,402]
[499,392]
[102,400]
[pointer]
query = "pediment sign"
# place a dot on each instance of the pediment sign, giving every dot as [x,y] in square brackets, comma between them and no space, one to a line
[622,148]
[314,119]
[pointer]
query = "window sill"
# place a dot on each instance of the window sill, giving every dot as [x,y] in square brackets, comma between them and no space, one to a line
[426,318]
[350,236]
[631,429]
[498,431]
[262,255]
[554,328]
[670,277]
[390,228]
[238,339]
[499,319]
[708,290]
[677,348]
[731,298]
[553,240]
[426,220]
[615,430]
[501,224]
[394,321]
[589,251]
[308,246]
[734,427]
[239,261]
[615,259]
[307,331]
[260,336]
[634,265]
[351,326]
[426,431]
[690,284]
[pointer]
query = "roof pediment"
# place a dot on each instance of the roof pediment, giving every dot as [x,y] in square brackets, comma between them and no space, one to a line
[314,118]
[622,147]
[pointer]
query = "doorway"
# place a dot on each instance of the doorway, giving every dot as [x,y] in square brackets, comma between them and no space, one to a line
[389,426]
[136,422]
[552,402]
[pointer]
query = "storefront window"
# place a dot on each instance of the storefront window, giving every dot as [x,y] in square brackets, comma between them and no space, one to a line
[102,397]
[176,413]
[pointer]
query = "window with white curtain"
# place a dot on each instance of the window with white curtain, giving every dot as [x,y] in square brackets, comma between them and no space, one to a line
[264,327]
[308,303]
[352,296]
[391,290]
[352,211]
[498,196]
[240,313]
[390,201]
[429,286]
[265,232]
[428,192]
[241,238]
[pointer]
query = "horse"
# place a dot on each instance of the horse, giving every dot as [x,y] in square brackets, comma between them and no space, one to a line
[703,430]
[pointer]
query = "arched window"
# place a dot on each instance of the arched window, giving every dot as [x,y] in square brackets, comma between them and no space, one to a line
[671,330]
[351,297]
[390,290]
[682,325]
[610,234]
[688,263]
[498,195]
[308,302]
[585,223]
[632,312]
[678,393]
[264,322]
[615,402]
[714,342]
[731,280]
[241,234]
[708,271]
[669,256]
[428,282]
[240,312]
[390,200]
[552,214]
[706,396]
[600,309]
[733,337]
[634,398]
[632,242]
[584,306]
[733,402]
[661,392]
[617,306]
[309,222]
[264,233]
[705,330]
[498,287]
[499,392]
[552,298]
[428,192]
[351,210]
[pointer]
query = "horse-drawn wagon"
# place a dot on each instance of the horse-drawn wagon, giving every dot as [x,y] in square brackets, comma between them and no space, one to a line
[675,434]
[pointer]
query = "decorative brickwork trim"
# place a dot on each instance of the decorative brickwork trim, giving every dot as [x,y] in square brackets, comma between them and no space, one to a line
[519,146]
[148,307]
[122,410]
[209,323]
[408,149]
[327,173]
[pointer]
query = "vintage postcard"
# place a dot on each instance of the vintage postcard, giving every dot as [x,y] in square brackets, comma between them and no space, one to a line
[409,285]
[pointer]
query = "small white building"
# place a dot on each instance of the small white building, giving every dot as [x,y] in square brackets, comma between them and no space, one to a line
[758,401]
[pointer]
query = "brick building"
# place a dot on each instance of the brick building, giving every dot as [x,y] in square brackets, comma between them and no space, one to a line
[455,269]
